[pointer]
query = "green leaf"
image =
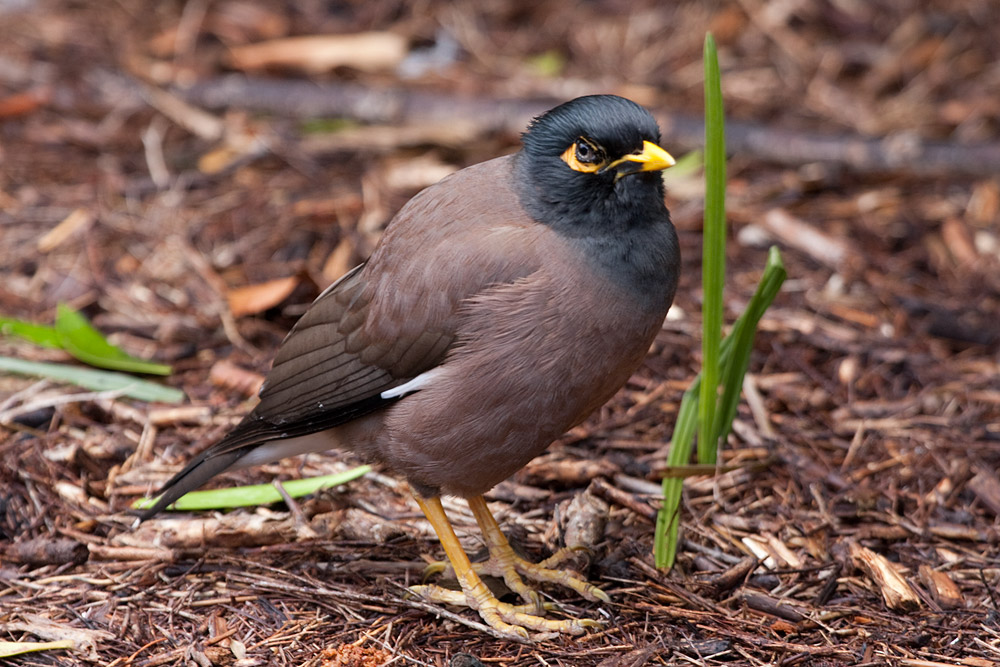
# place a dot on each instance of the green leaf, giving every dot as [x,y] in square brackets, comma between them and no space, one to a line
[702,408]
[668,518]
[549,63]
[256,494]
[83,341]
[687,165]
[129,385]
[713,254]
[39,334]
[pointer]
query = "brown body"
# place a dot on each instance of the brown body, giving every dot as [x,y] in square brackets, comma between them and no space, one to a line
[504,387]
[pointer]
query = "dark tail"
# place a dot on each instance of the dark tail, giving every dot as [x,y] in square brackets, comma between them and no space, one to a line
[249,434]
[218,458]
[204,467]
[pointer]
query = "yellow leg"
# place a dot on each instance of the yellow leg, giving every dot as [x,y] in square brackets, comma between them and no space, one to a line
[506,618]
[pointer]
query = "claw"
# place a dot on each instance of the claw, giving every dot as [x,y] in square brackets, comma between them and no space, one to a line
[437,567]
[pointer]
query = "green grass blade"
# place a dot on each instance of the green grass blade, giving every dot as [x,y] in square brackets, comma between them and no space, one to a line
[734,357]
[255,494]
[667,519]
[702,408]
[713,253]
[129,385]
[743,334]
[78,337]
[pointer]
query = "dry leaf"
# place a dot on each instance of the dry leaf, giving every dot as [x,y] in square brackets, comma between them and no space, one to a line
[253,299]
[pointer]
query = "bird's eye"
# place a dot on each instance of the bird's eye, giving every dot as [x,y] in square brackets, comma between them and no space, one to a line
[585,152]
[584,157]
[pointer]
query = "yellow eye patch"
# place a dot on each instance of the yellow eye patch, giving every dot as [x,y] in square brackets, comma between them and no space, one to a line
[584,157]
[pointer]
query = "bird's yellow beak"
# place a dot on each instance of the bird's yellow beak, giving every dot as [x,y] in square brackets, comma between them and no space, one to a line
[650,158]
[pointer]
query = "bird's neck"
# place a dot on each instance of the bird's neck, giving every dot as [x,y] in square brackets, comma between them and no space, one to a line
[623,230]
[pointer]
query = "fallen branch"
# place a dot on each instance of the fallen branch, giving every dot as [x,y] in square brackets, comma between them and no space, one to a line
[298,98]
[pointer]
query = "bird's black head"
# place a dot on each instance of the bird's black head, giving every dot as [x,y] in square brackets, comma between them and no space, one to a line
[592,166]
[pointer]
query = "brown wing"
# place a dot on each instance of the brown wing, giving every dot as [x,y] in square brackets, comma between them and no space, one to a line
[331,360]
[386,321]
[395,317]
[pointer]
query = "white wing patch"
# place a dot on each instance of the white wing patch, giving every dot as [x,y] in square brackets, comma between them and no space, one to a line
[416,384]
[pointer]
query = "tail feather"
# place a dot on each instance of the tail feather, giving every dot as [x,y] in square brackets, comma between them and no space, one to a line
[259,440]
[201,469]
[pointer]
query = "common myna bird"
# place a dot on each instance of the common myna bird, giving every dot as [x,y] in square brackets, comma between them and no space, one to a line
[501,307]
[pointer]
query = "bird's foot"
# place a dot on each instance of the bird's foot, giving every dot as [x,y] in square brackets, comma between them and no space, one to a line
[504,563]
[513,621]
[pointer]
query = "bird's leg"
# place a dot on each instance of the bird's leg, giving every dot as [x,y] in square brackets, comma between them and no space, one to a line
[501,616]
[503,562]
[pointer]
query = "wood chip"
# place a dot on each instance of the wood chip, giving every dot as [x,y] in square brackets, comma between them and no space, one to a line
[830,251]
[77,220]
[619,497]
[87,639]
[187,414]
[986,486]
[772,606]
[943,590]
[366,51]
[46,551]
[415,174]
[109,553]
[233,530]
[556,468]
[897,594]
[195,120]
[735,575]
[957,238]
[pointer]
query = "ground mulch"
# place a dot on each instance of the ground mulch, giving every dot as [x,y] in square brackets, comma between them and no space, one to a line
[192,202]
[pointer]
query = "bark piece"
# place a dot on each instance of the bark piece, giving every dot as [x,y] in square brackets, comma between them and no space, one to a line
[45,551]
